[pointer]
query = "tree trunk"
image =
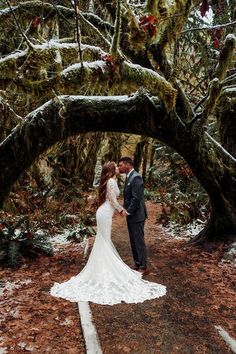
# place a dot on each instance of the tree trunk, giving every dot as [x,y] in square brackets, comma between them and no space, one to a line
[114,151]
[138,154]
[216,180]
[145,161]
[151,162]
[87,170]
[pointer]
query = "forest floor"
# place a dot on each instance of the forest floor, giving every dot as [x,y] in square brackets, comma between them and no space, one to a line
[200,296]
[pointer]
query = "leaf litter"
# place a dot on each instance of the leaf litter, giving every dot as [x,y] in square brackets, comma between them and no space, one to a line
[200,297]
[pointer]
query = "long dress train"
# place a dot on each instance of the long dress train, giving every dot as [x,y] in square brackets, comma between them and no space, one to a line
[106,279]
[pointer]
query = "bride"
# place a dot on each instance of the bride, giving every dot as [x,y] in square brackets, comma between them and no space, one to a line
[106,279]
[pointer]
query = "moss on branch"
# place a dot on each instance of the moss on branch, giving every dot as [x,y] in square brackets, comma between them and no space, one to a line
[100,77]
[43,56]
[124,78]
[226,56]
[35,7]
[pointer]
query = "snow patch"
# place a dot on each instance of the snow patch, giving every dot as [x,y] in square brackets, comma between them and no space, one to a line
[88,65]
[26,347]
[10,286]
[181,232]
[67,322]
[52,44]
[3,350]
[60,239]
[73,98]
[14,55]
[39,109]
[230,254]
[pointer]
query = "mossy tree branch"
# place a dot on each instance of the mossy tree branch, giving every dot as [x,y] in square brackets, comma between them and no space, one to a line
[116,37]
[126,77]
[226,56]
[215,86]
[19,26]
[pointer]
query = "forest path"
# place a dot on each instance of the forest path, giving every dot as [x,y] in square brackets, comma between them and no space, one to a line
[200,295]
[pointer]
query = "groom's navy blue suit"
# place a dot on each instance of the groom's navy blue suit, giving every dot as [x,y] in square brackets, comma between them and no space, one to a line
[135,206]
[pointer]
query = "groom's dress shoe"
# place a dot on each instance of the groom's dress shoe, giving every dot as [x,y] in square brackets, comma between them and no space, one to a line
[144,271]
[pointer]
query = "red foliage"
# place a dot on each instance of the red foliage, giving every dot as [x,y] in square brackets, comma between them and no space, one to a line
[216,43]
[36,22]
[108,59]
[204,7]
[149,24]
[185,171]
[29,235]
[111,62]
[216,35]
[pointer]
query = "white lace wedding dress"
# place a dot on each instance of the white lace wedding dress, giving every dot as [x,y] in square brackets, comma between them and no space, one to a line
[106,279]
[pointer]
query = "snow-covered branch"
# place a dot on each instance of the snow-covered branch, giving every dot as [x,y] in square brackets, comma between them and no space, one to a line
[209,28]
[124,77]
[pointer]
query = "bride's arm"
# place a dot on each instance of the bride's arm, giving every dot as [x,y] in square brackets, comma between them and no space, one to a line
[111,194]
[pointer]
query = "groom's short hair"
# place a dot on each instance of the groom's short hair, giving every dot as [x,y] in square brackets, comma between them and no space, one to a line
[126,159]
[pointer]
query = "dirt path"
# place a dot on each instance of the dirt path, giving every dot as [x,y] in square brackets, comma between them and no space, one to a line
[200,295]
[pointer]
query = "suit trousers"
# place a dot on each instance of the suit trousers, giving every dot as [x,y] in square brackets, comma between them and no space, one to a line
[138,246]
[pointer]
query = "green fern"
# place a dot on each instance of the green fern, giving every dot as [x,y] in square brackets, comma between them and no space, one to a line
[16,242]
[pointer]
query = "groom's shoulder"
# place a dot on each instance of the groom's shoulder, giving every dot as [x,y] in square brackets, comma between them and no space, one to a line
[135,174]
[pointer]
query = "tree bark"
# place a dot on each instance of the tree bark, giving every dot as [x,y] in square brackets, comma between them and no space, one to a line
[139,150]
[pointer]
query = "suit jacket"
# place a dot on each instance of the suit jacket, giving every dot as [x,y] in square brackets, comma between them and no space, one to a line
[134,198]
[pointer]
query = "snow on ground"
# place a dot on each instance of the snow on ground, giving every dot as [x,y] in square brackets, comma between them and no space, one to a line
[61,240]
[180,232]
[3,350]
[9,286]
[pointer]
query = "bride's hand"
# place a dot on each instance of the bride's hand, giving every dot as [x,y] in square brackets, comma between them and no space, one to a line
[123,213]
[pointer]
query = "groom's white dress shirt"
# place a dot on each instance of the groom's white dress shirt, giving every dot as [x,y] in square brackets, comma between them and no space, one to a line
[128,174]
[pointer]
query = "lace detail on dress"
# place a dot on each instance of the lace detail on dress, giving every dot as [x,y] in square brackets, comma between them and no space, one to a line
[112,193]
[106,279]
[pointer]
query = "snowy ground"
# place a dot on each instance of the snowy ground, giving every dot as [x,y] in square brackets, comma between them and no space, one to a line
[183,231]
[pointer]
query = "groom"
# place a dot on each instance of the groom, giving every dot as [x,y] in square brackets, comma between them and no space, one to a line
[136,213]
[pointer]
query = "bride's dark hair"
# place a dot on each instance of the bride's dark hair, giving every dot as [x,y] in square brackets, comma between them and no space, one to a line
[108,171]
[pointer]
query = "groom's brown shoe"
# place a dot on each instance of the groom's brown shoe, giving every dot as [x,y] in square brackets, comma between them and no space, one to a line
[144,271]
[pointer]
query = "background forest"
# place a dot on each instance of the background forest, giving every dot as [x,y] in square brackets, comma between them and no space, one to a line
[85,82]
[175,64]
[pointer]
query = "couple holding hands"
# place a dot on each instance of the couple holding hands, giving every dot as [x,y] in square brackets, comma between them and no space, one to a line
[106,279]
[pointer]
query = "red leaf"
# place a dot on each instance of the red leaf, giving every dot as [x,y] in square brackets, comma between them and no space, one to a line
[204,7]
[29,235]
[147,18]
[218,32]
[107,58]
[36,22]
[148,24]
[216,43]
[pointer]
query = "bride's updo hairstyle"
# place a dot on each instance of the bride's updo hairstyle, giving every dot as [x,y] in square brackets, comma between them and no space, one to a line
[108,171]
